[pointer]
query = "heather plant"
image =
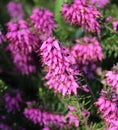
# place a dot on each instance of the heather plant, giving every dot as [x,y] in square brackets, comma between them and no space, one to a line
[59,65]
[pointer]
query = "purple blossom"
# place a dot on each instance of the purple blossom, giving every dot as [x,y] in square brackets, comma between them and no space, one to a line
[43,21]
[109,19]
[13,101]
[24,63]
[44,118]
[72,117]
[61,72]
[107,106]
[22,42]
[82,14]
[20,36]
[112,80]
[87,51]
[15,10]
[99,3]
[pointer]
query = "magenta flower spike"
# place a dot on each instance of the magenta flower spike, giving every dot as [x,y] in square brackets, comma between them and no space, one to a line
[82,14]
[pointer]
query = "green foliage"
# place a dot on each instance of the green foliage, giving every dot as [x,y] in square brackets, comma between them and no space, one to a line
[3,87]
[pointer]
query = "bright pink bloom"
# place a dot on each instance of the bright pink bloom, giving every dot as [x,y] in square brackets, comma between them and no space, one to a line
[44,118]
[112,80]
[82,14]
[72,117]
[13,101]
[107,106]
[115,25]
[20,36]
[21,45]
[15,10]
[99,3]
[61,72]
[43,21]
[87,51]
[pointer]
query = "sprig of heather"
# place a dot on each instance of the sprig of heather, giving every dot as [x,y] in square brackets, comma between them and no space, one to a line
[107,106]
[44,118]
[112,80]
[108,100]
[47,119]
[82,14]
[61,71]
[20,36]
[43,21]
[87,51]
[15,10]
[22,42]
[72,117]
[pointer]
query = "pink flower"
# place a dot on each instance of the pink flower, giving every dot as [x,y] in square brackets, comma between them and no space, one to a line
[22,42]
[112,80]
[87,51]
[72,117]
[99,3]
[20,36]
[44,118]
[107,106]
[82,14]
[15,10]
[43,21]
[61,73]
[115,25]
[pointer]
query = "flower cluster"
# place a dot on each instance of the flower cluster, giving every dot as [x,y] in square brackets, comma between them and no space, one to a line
[112,80]
[43,21]
[12,101]
[61,71]
[87,51]
[44,118]
[107,105]
[2,38]
[72,117]
[82,14]
[15,10]
[99,3]
[21,44]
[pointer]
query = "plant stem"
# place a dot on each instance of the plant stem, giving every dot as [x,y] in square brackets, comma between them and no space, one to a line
[84,119]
